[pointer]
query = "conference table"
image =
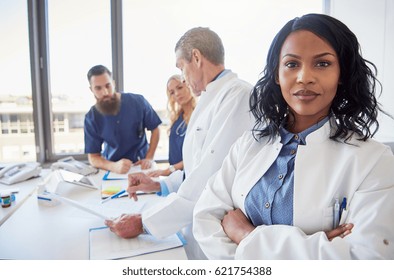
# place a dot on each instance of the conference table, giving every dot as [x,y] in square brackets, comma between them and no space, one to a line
[33,229]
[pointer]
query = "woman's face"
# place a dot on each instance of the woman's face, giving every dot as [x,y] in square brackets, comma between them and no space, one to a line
[308,76]
[179,91]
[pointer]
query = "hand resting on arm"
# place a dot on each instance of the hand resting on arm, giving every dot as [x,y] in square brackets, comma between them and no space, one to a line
[237,226]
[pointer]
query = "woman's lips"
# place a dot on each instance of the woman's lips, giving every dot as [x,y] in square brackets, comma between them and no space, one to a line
[306,95]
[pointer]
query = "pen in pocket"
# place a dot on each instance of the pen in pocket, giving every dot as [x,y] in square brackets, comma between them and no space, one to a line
[336,213]
[343,207]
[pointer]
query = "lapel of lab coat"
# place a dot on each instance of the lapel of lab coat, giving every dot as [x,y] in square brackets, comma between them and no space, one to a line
[312,201]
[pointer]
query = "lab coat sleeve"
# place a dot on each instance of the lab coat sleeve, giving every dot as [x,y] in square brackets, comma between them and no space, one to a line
[230,119]
[370,210]
[214,203]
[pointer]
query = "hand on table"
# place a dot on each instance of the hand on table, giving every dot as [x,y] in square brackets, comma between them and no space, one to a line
[145,163]
[122,166]
[126,225]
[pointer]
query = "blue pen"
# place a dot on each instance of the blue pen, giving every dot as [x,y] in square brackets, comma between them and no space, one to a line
[343,207]
[113,196]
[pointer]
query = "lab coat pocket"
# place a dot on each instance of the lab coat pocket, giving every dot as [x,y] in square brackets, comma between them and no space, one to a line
[199,137]
[328,218]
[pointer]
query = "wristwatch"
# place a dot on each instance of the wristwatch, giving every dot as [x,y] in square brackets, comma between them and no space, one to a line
[171,168]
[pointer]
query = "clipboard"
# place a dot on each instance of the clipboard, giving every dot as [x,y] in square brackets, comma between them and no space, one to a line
[105,245]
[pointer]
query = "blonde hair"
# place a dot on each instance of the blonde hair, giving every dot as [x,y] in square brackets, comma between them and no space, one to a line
[173,108]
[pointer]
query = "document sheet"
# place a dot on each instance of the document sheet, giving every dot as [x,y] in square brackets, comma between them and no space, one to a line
[133,169]
[107,211]
[105,245]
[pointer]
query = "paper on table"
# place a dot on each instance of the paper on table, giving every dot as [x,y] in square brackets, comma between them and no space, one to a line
[78,205]
[105,245]
[133,169]
[110,210]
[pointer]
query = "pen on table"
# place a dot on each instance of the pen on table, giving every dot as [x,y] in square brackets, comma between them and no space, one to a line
[336,213]
[343,207]
[13,190]
[114,196]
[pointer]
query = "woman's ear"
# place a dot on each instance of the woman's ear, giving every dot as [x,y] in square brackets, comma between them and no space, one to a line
[277,79]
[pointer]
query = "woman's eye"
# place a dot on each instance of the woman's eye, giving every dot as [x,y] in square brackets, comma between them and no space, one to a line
[290,64]
[323,64]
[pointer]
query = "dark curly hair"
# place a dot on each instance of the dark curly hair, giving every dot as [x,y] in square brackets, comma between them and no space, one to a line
[354,107]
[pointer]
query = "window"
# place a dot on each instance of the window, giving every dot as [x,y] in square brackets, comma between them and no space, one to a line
[79,38]
[74,35]
[151,29]
[17,129]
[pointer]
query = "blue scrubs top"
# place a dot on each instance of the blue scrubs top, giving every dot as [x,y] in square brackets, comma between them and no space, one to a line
[177,135]
[122,135]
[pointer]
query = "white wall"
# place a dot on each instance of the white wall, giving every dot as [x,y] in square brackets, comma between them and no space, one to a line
[373,23]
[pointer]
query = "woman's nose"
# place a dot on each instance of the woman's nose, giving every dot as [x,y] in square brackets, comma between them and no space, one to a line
[305,75]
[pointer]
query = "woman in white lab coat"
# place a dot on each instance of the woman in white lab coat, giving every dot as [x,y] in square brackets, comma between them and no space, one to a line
[308,182]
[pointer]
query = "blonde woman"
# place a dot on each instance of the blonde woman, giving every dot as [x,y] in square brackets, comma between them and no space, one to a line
[181,103]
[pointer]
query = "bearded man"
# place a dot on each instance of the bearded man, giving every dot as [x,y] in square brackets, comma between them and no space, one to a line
[115,127]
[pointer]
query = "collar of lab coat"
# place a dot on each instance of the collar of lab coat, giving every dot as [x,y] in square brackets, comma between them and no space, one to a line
[262,154]
[322,134]
[217,84]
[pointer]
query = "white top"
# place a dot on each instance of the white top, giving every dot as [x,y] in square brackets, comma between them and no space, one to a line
[220,117]
[324,170]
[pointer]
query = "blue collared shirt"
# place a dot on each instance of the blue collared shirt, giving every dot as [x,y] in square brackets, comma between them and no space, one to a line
[270,201]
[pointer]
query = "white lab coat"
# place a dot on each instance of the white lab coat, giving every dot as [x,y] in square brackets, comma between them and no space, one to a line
[220,117]
[324,170]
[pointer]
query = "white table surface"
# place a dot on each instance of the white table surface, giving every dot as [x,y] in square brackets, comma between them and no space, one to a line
[61,232]
[25,188]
